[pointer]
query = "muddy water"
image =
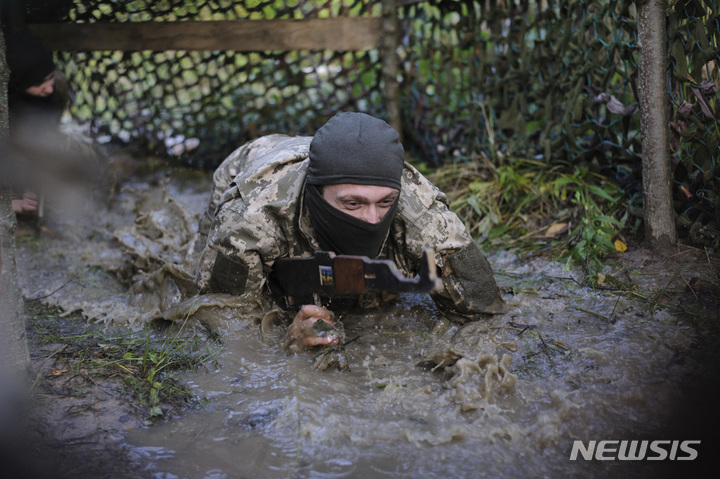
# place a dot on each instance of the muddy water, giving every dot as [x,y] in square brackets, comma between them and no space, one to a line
[502,397]
[273,415]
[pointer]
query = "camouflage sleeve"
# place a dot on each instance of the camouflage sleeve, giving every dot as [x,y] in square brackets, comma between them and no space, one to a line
[469,285]
[251,212]
[222,177]
[237,248]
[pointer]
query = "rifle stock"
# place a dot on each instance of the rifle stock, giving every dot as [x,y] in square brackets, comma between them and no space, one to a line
[308,280]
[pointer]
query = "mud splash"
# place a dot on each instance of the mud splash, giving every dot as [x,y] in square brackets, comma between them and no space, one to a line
[502,397]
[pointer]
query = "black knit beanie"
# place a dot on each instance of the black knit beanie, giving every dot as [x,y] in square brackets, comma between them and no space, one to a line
[356,148]
[28,60]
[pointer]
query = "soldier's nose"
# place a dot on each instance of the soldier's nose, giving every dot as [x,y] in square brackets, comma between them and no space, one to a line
[373,215]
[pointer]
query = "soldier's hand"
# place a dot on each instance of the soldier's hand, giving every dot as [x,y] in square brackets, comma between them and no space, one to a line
[305,331]
[27,204]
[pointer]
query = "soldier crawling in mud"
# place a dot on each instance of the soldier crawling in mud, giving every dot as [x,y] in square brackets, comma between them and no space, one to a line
[346,190]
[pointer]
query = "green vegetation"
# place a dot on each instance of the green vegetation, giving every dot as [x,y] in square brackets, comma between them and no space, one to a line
[144,362]
[527,205]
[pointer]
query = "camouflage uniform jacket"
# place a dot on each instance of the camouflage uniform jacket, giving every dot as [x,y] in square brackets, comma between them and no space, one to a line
[256,215]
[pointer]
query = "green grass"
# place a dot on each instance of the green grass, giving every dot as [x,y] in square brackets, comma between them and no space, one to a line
[575,216]
[146,362]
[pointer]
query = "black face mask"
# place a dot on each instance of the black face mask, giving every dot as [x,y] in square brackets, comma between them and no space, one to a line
[342,233]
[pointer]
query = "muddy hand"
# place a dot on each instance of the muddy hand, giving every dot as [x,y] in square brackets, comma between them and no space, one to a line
[304,332]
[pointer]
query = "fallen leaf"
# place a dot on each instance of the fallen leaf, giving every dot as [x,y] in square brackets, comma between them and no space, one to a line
[620,246]
[556,229]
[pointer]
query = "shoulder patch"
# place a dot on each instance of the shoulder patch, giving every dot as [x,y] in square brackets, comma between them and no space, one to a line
[228,276]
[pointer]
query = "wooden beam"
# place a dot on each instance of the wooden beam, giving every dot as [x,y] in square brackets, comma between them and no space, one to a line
[337,33]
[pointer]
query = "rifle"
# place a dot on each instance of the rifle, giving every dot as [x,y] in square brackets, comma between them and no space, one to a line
[308,280]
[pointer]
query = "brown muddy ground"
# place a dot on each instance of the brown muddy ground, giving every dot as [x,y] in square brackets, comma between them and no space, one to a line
[74,420]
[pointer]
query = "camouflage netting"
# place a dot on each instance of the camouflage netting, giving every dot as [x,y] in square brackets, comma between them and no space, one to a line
[553,81]
[200,105]
[559,83]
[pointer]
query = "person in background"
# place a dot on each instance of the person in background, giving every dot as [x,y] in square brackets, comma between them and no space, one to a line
[37,97]
[347,190]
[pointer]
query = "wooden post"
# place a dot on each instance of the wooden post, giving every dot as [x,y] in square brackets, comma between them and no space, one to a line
[14,355]
[660,230]
[388,50]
